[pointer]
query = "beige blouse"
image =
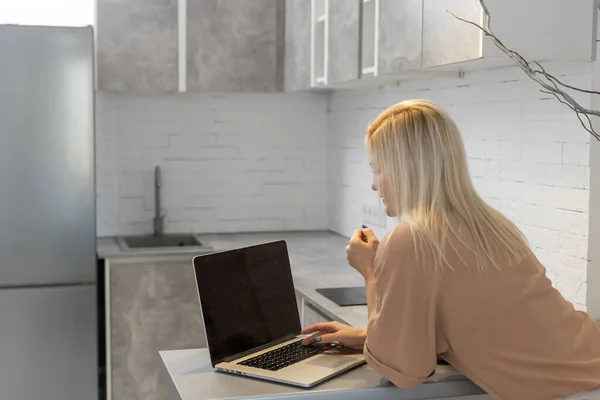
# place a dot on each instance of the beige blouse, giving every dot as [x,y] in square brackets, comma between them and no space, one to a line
[509,331]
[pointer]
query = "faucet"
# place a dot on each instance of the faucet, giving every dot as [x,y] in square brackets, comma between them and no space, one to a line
[158,217]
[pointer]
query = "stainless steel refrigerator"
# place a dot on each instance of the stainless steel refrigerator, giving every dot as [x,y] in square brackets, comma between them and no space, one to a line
[47,214]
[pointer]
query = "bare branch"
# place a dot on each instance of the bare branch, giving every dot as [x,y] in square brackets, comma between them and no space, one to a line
[589,127]
[549,83]
[555,79]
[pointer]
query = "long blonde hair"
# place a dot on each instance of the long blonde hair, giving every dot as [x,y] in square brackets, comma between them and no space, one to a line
[420,152]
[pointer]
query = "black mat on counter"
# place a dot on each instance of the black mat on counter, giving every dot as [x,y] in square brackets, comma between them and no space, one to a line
[346,296]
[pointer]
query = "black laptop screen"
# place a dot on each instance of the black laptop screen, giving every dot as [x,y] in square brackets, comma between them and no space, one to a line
[247,297]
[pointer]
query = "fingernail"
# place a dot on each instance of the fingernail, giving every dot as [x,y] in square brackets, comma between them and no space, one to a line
[318,339]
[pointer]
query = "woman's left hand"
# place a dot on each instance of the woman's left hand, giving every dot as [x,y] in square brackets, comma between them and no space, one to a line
[361,251]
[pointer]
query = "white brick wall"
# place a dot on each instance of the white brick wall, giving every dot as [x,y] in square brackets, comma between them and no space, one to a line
[528,156]
[245,162]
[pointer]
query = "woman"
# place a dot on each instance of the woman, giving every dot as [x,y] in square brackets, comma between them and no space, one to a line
[456,279]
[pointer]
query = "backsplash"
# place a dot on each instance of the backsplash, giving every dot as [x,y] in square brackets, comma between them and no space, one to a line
[243,162]
[528,156]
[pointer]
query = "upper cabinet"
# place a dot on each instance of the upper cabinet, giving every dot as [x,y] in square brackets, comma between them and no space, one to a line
[527,27]
[335,41]
[391,36]
[137,45]
[319,42]
[273,45]
[353,39]
[343,59]
[297,45]
[214,46]
[235,46]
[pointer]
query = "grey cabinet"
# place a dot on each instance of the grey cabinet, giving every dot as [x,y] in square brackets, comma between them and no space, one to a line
[297,45]
[137,46]
[447,40]
[344,41]
[235,46]
[391,36]
[152,306]
[399,38]
[516,23]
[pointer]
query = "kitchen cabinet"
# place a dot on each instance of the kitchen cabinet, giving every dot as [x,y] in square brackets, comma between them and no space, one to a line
[319,42]
[235,46]
[351,40]
[528,27]
[214,46]
[390,36]
[151,306]
[297,73]
[137,46]
[344,38]
[335,41]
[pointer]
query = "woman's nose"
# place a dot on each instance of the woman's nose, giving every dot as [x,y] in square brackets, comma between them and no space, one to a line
[373,186]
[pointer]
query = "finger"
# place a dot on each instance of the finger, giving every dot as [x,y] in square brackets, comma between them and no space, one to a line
[328,338]
[312,338]
[356,236]
[370,235]
[320,327]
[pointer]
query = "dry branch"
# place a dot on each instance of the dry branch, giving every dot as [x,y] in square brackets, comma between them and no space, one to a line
[533,69]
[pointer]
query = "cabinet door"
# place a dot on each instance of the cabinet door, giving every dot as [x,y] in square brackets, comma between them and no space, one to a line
[344,40]
[447,40]
[137,45]
[313,316]
[399,35]
[154,307]
[235,46]
[297,45]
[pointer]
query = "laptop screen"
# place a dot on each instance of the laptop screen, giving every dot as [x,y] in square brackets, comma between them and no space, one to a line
[247,297]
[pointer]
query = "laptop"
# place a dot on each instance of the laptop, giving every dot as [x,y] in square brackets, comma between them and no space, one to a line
[251,318]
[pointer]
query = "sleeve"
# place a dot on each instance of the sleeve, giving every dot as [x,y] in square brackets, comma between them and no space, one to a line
[401,332]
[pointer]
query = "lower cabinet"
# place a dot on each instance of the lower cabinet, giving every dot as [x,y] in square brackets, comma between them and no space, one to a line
[152,306]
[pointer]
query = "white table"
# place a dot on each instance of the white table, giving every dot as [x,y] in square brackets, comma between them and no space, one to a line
[193,378]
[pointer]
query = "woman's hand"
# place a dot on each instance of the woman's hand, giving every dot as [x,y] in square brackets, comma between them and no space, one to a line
[327,332]
[361,251]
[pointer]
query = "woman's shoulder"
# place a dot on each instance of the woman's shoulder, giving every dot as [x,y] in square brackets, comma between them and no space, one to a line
[398,257]
[399,241]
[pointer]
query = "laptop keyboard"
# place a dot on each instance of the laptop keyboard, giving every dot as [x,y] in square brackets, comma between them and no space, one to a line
[284,356]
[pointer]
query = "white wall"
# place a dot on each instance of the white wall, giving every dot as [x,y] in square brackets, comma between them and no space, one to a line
[49,13]
[528,156]
[246,162]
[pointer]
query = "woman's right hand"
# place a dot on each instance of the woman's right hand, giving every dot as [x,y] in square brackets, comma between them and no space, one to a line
[347,336]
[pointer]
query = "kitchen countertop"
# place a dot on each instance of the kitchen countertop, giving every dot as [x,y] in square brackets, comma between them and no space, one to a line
[317,259]
[194,378]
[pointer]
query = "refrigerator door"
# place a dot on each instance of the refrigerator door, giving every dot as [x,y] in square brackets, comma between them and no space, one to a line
[48,343]
[47,197]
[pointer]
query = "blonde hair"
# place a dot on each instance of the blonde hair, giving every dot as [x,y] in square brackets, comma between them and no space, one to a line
[420,152]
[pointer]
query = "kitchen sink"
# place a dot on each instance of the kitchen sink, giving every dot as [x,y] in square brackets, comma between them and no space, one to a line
[165,241]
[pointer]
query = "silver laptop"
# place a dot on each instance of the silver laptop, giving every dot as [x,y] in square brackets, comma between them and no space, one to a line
[251,319]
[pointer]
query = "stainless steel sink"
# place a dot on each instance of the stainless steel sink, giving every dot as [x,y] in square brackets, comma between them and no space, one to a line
[164,241]
[158,241]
